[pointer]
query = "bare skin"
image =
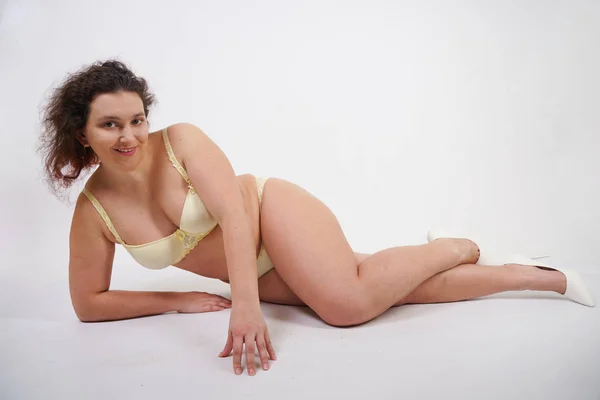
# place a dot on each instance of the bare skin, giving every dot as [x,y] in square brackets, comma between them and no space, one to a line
[314,264]
[459,281]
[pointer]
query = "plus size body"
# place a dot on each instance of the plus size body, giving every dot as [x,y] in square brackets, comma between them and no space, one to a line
[170,197]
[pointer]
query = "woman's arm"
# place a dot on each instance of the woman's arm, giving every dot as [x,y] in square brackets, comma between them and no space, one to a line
[113,305]
[217,185]
[213,177]
[90,267]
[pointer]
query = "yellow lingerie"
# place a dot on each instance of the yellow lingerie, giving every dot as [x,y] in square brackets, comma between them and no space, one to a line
[195,224]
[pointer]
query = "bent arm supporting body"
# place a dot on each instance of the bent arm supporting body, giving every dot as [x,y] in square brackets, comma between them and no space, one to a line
[122,304]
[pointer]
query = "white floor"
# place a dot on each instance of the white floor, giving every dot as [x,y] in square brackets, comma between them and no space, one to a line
[513,346]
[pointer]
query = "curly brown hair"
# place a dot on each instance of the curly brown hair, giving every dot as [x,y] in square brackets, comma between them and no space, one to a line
[66,113]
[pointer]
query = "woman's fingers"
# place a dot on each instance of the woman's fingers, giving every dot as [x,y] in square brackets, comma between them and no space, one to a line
[238,344]
[215,305]
[262,351]
[249,340]
[220,299]
[210,296]
[270,348]
[223,304]
[249,344]
[228,346]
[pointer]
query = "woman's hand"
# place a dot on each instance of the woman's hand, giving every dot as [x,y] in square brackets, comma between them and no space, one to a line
[247,327]
[199,302]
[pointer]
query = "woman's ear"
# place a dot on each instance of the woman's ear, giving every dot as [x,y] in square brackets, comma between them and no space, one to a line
[82,139]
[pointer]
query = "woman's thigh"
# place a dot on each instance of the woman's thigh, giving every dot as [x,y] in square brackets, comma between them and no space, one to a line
[306,244]
[272,288]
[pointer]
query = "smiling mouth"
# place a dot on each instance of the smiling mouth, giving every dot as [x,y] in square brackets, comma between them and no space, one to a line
[126,151]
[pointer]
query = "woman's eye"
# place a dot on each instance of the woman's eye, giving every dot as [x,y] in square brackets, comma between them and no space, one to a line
[137,121]
[108,124]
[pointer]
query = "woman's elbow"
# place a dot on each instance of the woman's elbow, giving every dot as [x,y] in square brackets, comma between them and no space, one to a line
[84,311]
[85,315]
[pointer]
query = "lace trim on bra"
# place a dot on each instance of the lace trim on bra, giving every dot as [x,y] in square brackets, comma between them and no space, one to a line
[189,240]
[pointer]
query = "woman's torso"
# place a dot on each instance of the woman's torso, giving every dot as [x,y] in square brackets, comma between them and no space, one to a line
[154,210]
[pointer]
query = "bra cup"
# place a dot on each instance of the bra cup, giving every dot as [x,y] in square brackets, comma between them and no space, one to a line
[158,255]
[195,218]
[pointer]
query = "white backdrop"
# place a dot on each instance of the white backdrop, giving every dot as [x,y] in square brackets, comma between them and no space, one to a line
[399,115]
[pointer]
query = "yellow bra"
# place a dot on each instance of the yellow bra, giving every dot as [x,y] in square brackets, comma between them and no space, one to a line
[194,225]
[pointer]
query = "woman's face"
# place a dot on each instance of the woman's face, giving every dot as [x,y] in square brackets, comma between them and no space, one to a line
[117,130]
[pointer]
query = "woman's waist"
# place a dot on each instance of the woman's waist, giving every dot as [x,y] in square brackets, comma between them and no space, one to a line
[208,257]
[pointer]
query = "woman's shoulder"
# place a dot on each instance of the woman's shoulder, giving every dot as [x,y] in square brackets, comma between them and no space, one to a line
[182,131]
[184,137]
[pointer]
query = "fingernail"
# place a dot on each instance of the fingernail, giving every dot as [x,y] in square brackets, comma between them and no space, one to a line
[251,372]
[266,366]
[238,371]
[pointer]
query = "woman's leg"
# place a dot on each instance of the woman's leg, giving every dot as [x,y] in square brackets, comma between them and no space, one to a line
[469,281]
[463,282]
[312,256]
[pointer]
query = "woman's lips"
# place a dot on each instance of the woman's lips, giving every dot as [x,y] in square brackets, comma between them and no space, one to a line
[127,151]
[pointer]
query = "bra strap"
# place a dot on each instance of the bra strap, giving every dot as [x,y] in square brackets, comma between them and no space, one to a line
[103,214]
[174,160]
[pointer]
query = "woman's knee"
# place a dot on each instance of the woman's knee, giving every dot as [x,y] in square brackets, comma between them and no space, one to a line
[344,310]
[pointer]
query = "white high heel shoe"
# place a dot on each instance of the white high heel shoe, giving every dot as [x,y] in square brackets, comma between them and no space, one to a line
[576,289]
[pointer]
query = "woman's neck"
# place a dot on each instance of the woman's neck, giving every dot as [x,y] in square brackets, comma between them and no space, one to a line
[121,180]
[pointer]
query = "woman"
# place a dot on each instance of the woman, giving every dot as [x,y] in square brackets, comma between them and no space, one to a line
[171,197]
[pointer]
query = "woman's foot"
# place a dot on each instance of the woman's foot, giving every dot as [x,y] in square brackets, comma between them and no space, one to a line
[561,280]
[540,279]
[469,251]
[485,255]
[466,250]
